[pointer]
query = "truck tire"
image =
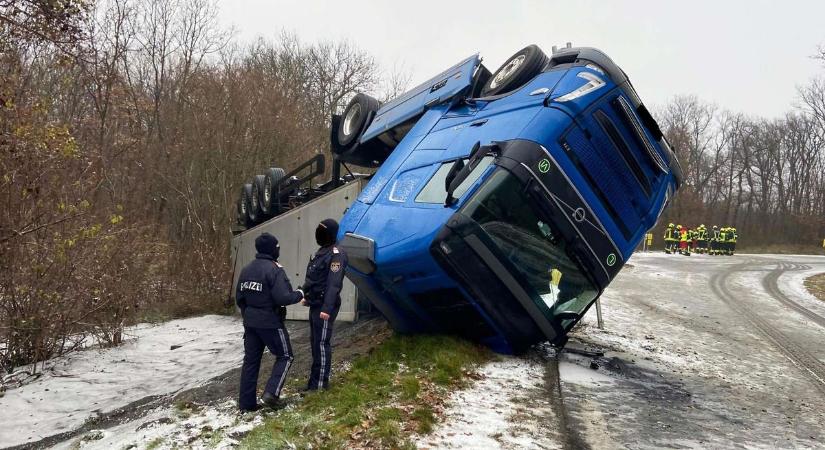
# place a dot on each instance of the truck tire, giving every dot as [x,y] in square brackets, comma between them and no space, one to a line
[256,214]
[516,71]
[354,119]
[244,204]
[271,204]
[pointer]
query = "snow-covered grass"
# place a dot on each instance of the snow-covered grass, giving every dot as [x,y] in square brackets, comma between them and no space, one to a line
[508,407]
[83,385]
[184,426]
[386,396]
[792,284]
[815,285]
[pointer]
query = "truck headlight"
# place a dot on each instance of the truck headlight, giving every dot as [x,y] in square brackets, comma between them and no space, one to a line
[593,83]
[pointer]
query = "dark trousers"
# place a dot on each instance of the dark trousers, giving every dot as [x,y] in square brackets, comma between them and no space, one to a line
[320,333]
[255,340]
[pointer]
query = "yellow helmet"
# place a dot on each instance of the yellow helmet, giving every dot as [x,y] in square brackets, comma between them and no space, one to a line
[670,225]
[679,227]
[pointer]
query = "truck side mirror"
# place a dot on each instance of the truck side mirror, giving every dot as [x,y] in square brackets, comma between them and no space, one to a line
[459,172]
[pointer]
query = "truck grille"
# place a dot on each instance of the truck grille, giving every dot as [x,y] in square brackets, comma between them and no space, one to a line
[608,177]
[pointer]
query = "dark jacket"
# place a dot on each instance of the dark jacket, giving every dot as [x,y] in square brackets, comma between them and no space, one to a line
[325,278]
[262,289]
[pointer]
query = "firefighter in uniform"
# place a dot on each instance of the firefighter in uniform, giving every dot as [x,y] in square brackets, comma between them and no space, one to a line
[714,241]
[724,237]
[678,237]
[728,241]
[702,239]
[324,279]
[670,241]
[723,234]
[683,240]
[692,235]
[262,294]
[733,236]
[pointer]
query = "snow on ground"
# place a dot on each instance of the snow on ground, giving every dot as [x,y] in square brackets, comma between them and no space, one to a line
[679,370]
[509,407]
[81,385]
[792,284]
[682,369]
[214,427]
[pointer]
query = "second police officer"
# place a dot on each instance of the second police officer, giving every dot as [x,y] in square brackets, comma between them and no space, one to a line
[324,280]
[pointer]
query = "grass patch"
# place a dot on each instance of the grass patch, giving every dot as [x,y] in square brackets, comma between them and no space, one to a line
[409,387]
[384,397]
[154,443]
[816,285]
[425,417]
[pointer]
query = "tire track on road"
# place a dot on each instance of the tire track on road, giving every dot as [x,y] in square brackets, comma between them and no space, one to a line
[810,366]
[771,284]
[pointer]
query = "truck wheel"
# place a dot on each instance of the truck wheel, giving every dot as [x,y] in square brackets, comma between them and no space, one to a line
[516,71]
[270,204]
[354,119]
[244,202]
[255,211]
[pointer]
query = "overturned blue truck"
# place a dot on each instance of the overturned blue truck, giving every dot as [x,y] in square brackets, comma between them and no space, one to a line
[503,203]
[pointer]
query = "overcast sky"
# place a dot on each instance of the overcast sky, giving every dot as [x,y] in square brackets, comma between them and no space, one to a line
[745,56]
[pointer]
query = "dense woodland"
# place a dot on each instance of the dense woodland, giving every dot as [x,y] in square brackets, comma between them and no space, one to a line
[127,128]
[765,176]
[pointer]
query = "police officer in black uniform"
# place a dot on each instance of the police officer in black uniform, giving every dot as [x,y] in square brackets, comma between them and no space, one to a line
[324,279]
[262,295]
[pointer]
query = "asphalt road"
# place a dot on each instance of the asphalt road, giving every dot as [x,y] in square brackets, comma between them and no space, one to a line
[709,352]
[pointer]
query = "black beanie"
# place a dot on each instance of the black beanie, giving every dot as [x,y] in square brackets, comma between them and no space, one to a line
[326,233]
[268,245]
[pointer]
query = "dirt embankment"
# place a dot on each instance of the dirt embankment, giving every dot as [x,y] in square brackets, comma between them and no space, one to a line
[816,286]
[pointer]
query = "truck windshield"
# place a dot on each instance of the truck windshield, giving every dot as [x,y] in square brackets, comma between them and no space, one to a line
[507,215]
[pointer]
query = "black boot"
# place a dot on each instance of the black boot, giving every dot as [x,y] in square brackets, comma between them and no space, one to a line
[272,401]
[252,409]
[306,390]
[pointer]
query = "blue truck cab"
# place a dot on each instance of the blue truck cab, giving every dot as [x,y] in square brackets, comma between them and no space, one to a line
[504,203]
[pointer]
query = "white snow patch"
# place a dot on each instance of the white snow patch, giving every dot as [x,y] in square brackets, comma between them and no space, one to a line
[217,427]
[504,409]
[84,384]
[792,284]
[576,374]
